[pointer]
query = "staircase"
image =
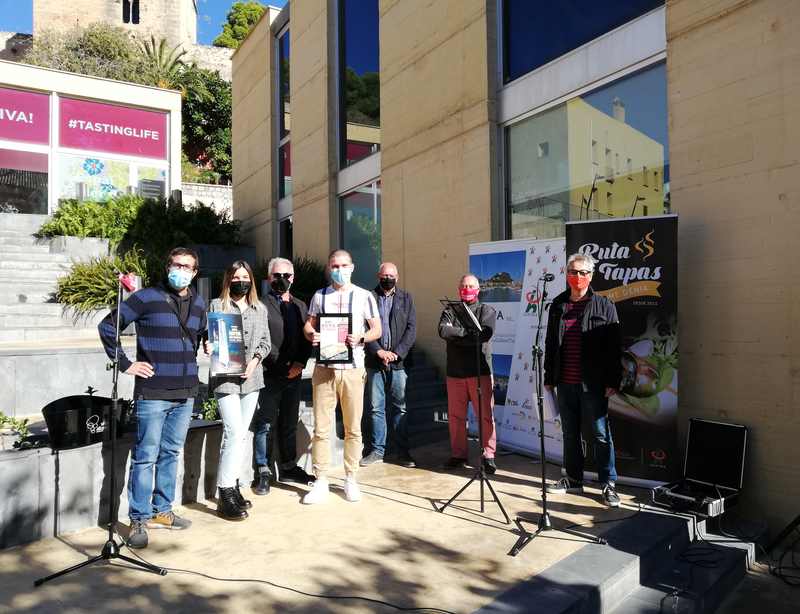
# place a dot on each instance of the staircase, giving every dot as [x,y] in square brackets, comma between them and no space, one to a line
[29,272]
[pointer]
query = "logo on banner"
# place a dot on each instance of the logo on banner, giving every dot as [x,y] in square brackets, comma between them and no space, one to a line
[533,299]
[642,280]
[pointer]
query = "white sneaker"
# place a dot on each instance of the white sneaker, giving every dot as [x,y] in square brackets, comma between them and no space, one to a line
[318,493]
[351,490]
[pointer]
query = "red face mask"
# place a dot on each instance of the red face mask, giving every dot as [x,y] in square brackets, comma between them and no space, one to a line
[469,295]
[576,282]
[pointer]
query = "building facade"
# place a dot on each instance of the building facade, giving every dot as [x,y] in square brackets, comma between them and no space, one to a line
[406,131]
[68,136]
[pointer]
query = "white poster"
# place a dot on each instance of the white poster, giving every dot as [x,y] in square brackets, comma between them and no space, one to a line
[510,275]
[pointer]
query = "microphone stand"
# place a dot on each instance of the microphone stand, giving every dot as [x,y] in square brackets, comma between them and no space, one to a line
[480,472]
[111,549]
[543,521]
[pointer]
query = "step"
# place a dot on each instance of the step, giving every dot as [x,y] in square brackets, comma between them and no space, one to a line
[40,309]
[20,292]
[33,275]
[25,264]
[22,221]
[65,320]
[22,241]
[6,249]
[13,335]
[23,256]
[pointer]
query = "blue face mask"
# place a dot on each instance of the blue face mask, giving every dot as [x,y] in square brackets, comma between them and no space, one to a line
[179,278]
[341,276]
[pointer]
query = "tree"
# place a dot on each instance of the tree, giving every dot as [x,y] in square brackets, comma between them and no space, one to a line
[241,19]
[98,50]
[207,126]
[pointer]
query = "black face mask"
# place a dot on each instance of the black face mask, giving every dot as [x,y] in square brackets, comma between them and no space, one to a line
[281,285]
[387,283]
[240,288]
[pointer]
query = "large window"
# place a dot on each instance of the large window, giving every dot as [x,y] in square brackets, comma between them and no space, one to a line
[360,212]
[23,182]
[601,154]
[284,117]
[536,32]
[360,112]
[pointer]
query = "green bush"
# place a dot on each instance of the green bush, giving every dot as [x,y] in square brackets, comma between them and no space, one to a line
[108,220]
[309,276]
[93,284]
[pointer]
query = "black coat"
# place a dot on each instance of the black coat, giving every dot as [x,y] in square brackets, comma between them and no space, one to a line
[601,342]
[462,345]
[403,329]
[277,363]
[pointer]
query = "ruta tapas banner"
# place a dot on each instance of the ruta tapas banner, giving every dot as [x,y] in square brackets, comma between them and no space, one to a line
[636,265]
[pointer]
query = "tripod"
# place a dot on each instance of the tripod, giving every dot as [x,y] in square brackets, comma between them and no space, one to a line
[543,521]
[111,549]
[467,319]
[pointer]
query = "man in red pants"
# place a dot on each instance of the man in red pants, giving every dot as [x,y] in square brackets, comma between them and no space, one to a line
[464,375]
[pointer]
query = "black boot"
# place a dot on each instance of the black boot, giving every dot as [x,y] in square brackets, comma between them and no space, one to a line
[240,500]
[261,483]
[227,506]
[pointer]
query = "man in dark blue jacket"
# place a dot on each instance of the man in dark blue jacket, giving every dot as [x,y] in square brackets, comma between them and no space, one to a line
[386,361]
[170,319]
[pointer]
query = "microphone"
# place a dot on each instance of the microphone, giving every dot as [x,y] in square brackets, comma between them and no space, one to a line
[548,277]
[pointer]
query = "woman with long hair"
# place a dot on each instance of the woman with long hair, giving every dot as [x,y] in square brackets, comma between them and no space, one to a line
[237,395]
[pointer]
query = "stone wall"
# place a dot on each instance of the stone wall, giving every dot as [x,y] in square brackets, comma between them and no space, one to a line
[218,197]
[212,58]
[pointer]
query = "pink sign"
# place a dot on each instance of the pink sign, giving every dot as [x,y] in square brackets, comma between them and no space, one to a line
[114,129]
[24,116]
[23,160]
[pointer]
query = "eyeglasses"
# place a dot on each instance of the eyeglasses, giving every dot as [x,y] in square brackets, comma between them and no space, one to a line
[284,275]
[581,272]
[185,267]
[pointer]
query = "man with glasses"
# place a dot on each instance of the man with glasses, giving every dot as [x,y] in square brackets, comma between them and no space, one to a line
[386,362]
[283,367]
[341,383]
[170,319]
[582,363]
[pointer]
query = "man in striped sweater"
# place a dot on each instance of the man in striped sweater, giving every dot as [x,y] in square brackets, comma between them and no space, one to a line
[582,362]
[169,318]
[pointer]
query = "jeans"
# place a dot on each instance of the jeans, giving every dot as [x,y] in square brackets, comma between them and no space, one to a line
[237,412]
[279,406]
[162,428]
[387,396]
[573,400]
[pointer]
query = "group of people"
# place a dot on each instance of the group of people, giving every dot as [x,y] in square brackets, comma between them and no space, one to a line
[279,335]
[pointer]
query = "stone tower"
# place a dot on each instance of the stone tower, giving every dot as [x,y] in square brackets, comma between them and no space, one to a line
[174,20]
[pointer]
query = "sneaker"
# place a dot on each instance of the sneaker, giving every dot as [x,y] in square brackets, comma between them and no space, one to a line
[351,490]
[489,466]
[404,459]
[610,496]
[565,486]
[168,520]
[373,458]
[137,537]
[318,493]
[456,463]
[295,474]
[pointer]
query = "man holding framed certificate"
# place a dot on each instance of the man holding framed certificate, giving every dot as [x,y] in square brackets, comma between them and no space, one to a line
[342,317]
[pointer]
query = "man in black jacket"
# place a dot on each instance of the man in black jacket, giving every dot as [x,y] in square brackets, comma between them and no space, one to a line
[283,368]
[386,361]
[465,373]
[582,361]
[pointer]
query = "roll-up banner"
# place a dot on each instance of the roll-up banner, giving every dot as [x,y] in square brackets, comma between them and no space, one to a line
[509,273]
[636,266]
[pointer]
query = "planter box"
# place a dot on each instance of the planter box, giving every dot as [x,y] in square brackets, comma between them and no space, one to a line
[79,248]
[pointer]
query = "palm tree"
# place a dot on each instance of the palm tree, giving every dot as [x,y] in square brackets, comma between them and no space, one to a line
[166,68]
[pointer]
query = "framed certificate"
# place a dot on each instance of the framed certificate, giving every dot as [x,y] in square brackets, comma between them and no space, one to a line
[333,331]
[226,337]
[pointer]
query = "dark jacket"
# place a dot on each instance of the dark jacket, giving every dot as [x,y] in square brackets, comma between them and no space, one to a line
[462,345]
[403,330]
[601,342]
[161,340]
[280,358]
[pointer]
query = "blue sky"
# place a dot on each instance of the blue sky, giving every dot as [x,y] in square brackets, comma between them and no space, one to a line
[17,16]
